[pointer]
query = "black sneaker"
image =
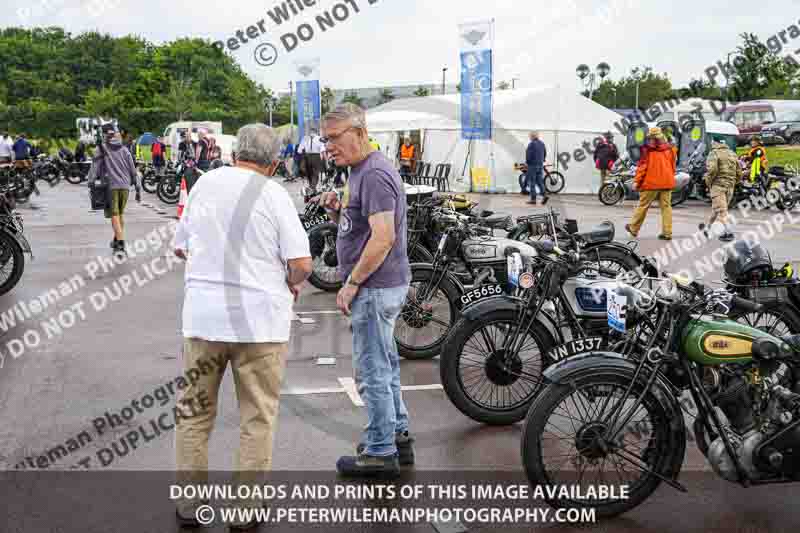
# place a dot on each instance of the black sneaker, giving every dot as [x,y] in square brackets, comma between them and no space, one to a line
[544,199]
[405,450]
[368,466]
[702,227]
[119,247]
[113,243]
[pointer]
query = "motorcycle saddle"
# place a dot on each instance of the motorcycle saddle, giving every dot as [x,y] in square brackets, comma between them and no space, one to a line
[602,233]
[494,220]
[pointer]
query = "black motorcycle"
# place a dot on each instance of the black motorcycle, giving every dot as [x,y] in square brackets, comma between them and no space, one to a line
[767,188]
[605,419]
[13,244]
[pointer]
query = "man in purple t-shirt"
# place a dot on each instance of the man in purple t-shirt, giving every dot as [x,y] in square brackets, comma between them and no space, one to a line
[371,248]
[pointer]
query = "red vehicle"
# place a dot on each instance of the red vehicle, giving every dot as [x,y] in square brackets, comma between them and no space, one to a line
[749,117]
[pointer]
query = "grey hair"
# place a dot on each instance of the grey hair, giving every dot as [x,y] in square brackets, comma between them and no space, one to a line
[257,143]
[350,112]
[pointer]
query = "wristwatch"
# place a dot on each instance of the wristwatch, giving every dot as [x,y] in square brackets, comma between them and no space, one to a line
[351,282]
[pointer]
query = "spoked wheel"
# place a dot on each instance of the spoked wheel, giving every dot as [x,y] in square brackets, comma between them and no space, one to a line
[483,379]
[150,183]
[775,319]
[12,262]
[554,182]
[325,264]
[612,260]
[168,191]
[428,314]
[573,435]
[787,202]
[610,194]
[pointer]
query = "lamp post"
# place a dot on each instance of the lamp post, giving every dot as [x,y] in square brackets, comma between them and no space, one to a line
[444,70]
[513,85]
[614,90]
[291,110]
[269,103]
[588,77]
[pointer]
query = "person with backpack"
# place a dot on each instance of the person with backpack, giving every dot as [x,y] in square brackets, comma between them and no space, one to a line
[114,164]
[605,155]
[157,151]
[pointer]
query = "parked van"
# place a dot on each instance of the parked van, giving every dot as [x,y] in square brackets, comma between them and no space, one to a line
[174,132]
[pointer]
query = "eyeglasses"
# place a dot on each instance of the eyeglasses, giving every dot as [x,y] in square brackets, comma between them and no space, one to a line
[333,139]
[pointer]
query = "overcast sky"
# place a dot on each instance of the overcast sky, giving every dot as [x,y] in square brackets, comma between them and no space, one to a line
[395,42]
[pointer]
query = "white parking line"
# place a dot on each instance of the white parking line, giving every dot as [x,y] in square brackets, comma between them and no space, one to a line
[349,385]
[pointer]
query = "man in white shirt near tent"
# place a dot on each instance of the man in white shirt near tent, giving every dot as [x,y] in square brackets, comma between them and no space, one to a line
[247,257]
[312,147]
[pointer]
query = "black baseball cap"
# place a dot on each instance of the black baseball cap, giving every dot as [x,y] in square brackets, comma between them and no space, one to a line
[107,128]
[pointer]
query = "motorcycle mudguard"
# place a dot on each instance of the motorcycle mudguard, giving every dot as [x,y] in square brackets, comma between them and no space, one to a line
[565,371]
[647,268]
[11,228]
[509,303]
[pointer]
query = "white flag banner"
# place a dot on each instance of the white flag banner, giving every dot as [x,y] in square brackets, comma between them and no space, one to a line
[474,36]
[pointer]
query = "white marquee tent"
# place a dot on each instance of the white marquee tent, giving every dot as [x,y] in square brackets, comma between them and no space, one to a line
[565,119]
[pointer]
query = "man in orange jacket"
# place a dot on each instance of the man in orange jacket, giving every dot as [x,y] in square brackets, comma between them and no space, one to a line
[655,179]
[406,157]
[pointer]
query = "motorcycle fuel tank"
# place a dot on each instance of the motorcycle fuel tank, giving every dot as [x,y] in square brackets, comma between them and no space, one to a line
[588,296]
[713,340]
[492,250]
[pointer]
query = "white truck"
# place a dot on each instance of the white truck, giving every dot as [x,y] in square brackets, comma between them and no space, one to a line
[174,133]
[88,126]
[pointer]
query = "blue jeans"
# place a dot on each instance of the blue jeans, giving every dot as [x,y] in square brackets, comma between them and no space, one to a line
[536,179]
[377,366]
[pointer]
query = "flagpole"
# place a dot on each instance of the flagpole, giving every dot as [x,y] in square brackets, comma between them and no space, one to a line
[491,122]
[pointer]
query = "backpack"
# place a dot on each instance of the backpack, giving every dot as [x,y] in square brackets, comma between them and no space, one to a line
[157,149]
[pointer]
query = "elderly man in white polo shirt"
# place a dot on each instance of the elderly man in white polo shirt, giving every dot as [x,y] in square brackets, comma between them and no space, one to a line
[247,256]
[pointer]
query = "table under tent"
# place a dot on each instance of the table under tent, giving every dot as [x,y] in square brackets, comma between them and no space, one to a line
[568,123]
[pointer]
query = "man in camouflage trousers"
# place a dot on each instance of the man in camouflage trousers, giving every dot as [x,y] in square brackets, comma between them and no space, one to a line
[722,174]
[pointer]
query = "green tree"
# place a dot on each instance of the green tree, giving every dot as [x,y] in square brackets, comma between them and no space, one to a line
[328,97]
[422,91]
[353,98]
[386,95]
[757,71]
[102,103]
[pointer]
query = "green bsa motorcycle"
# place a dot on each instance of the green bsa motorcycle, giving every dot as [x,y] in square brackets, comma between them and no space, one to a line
[614,419]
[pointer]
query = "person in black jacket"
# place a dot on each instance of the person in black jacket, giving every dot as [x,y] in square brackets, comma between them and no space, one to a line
[605,155]
[535,156]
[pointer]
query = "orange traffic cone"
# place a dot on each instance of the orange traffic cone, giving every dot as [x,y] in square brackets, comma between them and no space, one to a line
[184,197]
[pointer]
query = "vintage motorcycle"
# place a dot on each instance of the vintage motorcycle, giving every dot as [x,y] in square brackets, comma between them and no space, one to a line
[492,360]
[767,189]
[604,410]
[474,269]
[620,185]
[13,244]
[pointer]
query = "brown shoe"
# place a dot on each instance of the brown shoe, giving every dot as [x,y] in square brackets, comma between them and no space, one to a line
[628,229]
[665,237]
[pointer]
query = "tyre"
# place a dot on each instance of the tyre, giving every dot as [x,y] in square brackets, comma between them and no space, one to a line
[611,194]
[168,191]
[787,202]
[325,264]
[611,258]
[795,139]
[473,370]
[423,326]
[150,184]
[559,441]
[554,182]
[12,262]
[777,318]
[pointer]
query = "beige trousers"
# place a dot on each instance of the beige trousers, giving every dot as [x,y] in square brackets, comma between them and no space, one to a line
[257,372]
